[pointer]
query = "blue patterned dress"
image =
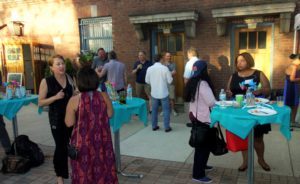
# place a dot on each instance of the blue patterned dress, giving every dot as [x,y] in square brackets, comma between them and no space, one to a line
[291,91]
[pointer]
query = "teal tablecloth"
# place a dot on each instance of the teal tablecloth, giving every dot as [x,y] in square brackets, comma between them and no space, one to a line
[9,108]
[240,122]
[123,112]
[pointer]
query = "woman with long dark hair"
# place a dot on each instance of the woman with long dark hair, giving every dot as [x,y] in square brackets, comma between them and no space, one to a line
[198,91]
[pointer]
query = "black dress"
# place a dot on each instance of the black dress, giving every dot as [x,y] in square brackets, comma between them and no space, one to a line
[239,85]
[61,134]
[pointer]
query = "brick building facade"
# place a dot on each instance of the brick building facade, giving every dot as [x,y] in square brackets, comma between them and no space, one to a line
[218,29]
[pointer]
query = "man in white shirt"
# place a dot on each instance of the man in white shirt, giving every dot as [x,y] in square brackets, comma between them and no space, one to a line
[159,77]
[193,57]
[188,69]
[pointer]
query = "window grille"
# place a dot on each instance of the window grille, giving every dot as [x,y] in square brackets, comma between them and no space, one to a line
[96,33]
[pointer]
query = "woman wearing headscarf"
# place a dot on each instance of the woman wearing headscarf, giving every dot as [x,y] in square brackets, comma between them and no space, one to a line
[199,92]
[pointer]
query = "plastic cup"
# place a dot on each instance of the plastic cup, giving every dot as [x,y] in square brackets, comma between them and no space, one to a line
[279,100]
[239,98]
[28,93]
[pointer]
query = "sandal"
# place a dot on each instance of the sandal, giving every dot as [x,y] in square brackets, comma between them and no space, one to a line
[264,165]
[242,168]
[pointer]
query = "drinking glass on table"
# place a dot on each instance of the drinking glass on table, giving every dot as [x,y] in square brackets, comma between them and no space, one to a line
[122,97]
[239,98]
[28,93]
[279,100]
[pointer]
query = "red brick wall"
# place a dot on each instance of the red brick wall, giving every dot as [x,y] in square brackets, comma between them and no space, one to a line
[211,47]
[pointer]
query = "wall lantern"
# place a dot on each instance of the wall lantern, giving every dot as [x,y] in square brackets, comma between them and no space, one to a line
[16,28]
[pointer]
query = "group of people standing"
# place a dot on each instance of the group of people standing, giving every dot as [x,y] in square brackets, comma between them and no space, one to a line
[199,91]
[79,114]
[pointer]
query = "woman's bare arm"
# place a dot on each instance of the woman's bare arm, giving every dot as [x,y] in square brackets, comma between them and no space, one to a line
[108,104]
[72,106]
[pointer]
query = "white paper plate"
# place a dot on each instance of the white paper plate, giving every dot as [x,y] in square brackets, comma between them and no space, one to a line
[227,103]
[249,106]
[262,112]
[261,100]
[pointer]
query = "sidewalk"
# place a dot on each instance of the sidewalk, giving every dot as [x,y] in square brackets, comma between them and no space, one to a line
[282,156]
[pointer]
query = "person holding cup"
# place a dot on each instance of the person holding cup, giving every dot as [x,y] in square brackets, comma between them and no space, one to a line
[245,77]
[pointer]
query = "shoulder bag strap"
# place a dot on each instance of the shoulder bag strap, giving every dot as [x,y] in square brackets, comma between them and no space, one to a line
[71,82]
[220,131]
[198,86]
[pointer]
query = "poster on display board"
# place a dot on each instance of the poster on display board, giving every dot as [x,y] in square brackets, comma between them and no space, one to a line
[13,53]
[14,77]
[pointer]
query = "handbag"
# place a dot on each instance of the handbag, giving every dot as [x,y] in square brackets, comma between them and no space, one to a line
[15,164]
[199,132]
[219,146]
[72,152]
[199,135]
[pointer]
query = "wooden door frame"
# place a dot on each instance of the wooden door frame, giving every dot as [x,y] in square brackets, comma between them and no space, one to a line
[154,40]
[234,27]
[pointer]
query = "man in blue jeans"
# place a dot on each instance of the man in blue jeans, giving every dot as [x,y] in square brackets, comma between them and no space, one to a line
[4,138]
[159,77]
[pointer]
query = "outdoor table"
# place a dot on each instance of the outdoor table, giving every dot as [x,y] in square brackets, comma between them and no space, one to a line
[10,107]
[241,123]
[122,115]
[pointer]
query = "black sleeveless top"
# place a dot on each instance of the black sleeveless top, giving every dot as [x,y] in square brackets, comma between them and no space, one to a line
[239,85]
[57,109]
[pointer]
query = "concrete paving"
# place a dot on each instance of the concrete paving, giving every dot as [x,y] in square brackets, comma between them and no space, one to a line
[282,156]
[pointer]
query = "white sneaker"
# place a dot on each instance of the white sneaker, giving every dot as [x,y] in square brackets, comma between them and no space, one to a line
[161,113]
[175,113]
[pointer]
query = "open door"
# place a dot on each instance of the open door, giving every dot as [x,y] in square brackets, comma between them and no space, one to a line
[28,68]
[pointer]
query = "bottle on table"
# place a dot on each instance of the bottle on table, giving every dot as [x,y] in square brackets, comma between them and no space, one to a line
[222,98]
[250,98]
[129,92]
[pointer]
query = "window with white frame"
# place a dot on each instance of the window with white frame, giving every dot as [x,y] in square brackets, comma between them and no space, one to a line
[96,33]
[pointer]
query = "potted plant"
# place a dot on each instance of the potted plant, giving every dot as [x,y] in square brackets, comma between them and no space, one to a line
[86,58]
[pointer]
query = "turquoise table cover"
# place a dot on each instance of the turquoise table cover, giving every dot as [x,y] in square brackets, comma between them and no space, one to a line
[9,108]
[123,112]
[240,122]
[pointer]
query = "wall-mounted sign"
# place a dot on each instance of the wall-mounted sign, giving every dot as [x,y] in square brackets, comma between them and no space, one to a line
[13,53]
[166,27]
[14,77]
[252,22]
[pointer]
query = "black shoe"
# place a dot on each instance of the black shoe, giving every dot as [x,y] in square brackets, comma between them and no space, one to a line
[189,124]
[209,168]
[156,128]
[168,129]
[150,112]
